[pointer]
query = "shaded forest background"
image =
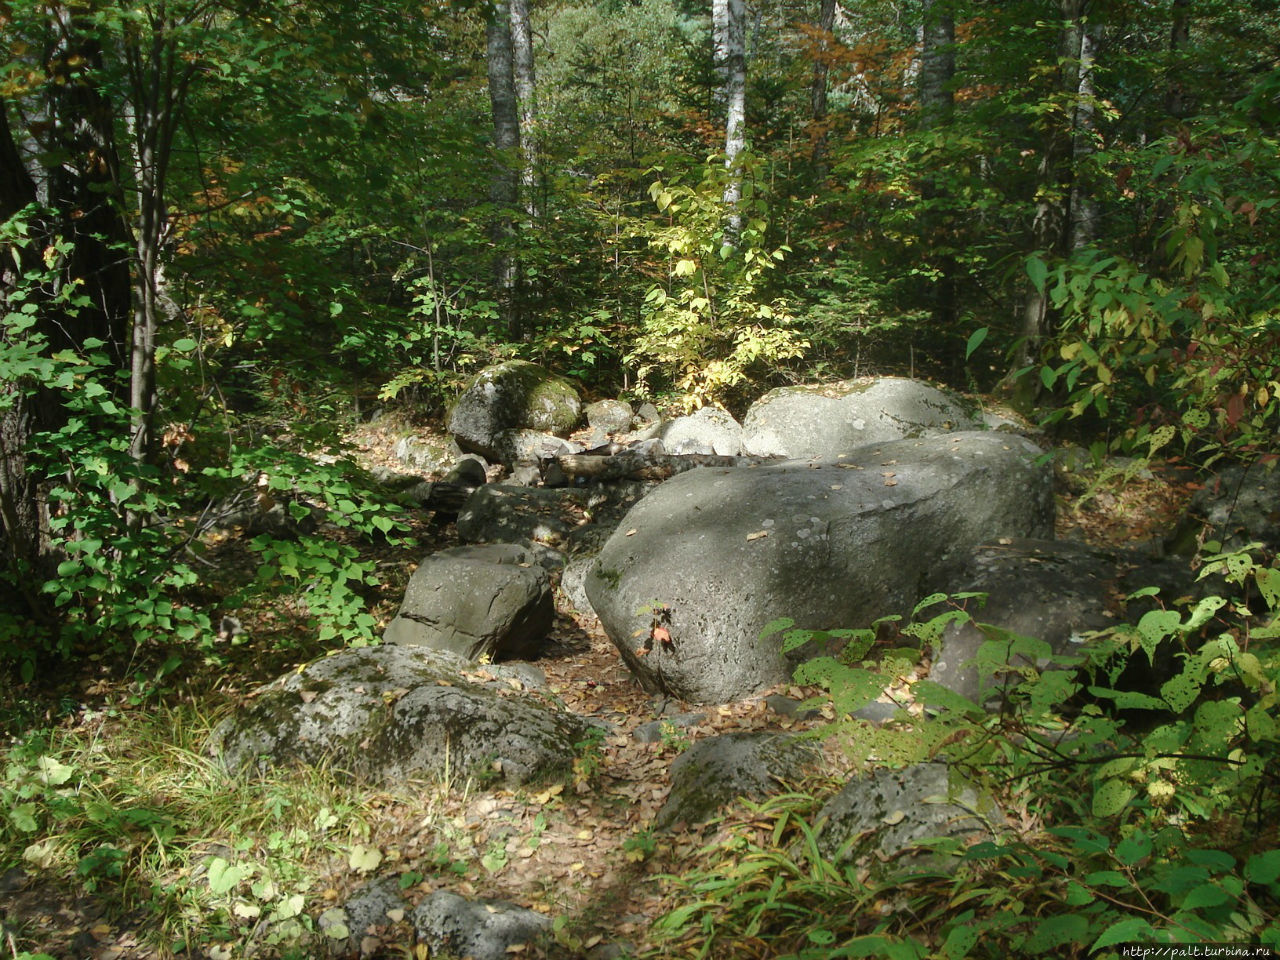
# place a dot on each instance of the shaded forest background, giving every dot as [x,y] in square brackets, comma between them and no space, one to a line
[230,231]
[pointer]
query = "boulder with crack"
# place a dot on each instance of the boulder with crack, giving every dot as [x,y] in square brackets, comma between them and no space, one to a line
[699,567]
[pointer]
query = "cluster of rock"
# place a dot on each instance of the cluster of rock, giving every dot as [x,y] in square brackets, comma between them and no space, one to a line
[830,505]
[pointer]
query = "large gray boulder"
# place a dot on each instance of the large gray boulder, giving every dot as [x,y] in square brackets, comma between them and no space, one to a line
[391,714]
[884,814]
[827,420]
[708,430]
[486,601]
[1051,590]
[719,770]
[726,550]
[1237,506]
[610,416]
[453,926]
[515,395]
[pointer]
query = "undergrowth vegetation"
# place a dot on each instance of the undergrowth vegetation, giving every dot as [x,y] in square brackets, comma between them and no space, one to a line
[1133,814]
[169,834]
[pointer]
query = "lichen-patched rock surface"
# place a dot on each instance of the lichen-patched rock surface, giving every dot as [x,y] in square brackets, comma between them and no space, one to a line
[829,419]
[713,555]
[392,713]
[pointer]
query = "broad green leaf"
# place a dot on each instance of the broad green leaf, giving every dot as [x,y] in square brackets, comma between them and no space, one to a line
[1112,796]
[1037,270]
[1263,867]
[1057,931]
[1123,931]
[223,877]
[974,342]
[1133,848]
[24,817]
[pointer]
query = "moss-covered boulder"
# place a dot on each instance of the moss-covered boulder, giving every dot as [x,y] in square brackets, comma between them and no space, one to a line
[393,713]
[515,395]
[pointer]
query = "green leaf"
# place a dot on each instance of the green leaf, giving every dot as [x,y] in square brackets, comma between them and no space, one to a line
[184,345]
[24,817]
[975,341]
[1112,796]
[1123,931]
[959,942]
[1133,848]
[1057,931]
[1263,867]
[223,877]
[1038,271]
[1209,895]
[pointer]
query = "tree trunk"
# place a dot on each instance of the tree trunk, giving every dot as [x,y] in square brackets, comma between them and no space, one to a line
[1050,226]
[23,535]
[526,87]
[77,203]
[503,183]
[729,36]
[1179,35]
[1084,205]
[157,85]
[818,89]
[937,105]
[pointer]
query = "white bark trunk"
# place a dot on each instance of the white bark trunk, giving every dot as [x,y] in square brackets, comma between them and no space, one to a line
[729,29]
[526,88]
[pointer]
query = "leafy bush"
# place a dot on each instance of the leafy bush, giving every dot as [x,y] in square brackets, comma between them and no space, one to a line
[1143,815]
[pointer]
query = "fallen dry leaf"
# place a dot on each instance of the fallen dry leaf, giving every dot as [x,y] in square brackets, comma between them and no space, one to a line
[757,535]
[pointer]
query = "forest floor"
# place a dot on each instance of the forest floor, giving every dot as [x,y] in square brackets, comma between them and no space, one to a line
[583,851]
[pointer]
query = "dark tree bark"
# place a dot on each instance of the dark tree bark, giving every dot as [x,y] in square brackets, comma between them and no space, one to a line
[73,267]
[937,105]
[818,89]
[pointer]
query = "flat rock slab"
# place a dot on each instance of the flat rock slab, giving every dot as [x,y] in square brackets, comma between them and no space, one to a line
[714,555]
[826,420]
[391,714]
[489,600]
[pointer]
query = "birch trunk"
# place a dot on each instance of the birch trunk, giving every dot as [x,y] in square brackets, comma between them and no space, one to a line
[526,88]
[729,35]
[1050,226]
[504,182]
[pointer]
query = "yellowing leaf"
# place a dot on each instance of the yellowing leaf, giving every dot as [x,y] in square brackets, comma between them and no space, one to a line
[897,816]
[757,535]
[249,911]
[364,859]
